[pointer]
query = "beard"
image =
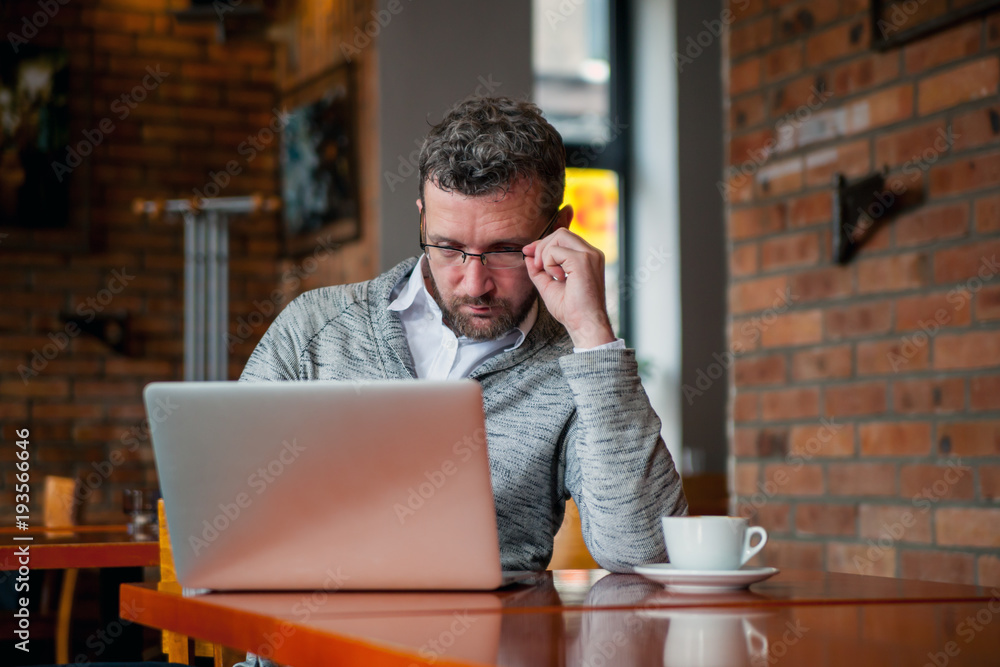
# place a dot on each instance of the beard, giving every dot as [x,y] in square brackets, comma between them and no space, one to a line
[476,327]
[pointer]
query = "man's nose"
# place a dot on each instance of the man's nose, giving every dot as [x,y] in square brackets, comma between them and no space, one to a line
[478,280]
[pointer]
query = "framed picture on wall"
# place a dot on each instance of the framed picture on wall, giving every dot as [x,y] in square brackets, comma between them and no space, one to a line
[319,161]
[36,167]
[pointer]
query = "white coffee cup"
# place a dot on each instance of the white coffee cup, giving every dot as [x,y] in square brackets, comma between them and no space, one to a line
[710,542]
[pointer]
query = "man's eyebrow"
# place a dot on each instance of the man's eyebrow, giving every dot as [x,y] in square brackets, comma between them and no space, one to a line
[437,240]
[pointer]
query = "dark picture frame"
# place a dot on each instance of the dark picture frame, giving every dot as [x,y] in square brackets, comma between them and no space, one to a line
[319,161]
[893,23]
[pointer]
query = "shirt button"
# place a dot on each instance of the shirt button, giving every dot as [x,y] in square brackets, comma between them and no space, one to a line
[450,344]
[429,316]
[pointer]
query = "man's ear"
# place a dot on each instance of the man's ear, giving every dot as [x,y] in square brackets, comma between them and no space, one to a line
[420,205]
[565,217]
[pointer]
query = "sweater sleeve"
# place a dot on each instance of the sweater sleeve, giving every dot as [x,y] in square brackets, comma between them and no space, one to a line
[618,468]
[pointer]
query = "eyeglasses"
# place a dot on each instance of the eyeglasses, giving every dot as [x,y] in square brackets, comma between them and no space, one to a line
[493,259]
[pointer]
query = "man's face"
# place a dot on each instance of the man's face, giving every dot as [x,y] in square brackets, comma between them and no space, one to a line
[479,302]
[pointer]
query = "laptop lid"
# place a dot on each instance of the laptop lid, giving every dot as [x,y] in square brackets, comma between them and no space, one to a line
[326,485]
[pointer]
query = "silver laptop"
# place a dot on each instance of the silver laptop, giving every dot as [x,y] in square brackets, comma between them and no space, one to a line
[326,485]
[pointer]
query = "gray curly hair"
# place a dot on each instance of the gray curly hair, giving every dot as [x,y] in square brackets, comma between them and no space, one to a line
[486,144]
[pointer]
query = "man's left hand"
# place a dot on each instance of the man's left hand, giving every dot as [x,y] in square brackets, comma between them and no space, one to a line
[569,275]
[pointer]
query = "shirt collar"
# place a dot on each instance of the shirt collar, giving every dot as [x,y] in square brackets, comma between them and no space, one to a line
[413,295]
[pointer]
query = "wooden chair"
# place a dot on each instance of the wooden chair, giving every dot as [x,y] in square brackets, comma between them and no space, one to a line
[178,647]
[569,551]
[59,510]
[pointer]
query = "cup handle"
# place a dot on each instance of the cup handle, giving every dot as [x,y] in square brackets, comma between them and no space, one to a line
[748,551]
[756,643]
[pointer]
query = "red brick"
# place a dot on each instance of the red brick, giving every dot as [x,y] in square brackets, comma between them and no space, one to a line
[851,159]
[929,396]
[745,478]
[115,21]
[797,403]
[971,527]
[745,407]
[67,411]
[892,356]
[748,223]
[932,224]
[979,438]
[35,387]
[933,311]
[993,31]
[745,442]
[797,328]
[861,479]
[822,363]
[810,210]
[896,439]
[822,440]
[898,272]
[936,482]
[750,37]
[795,20]
[954,44]
[743,260]
[966,175]
[782,62]
[900,523]
[989,482]
[759,294]
[944,566]
[855,399]
[106,389]
[967,82]
[988,214]
[789,97]
[793,555]
[759,371]
[884,107]
[744,9]
[13,410]
[752,148]
[745,76]
[864,73]
[895,148]
[744,335]
[857,321]
[746,112]
[789,250]
[837,42]
[795,480]
[988,303]
[821,284]
[966,262]
[979,349]
[975,129]
[141,367]
[989,566]
[984,392]
[860,559]
[772,516]
[825,519]
[779,178]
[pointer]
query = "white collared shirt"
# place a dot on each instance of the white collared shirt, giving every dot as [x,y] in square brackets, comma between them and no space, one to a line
[438,354]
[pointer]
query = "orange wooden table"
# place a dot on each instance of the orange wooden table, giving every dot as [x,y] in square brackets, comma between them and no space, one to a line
[580,616]
[80,546]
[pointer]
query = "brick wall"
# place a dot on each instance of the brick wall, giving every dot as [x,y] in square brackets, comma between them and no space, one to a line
[865,409]
[80,400]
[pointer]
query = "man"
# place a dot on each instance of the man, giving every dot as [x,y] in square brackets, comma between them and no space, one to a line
[566,414]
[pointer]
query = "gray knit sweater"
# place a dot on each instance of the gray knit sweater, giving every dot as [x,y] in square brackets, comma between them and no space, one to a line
[558,424]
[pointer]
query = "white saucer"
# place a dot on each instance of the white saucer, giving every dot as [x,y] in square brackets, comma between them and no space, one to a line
[704,581]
